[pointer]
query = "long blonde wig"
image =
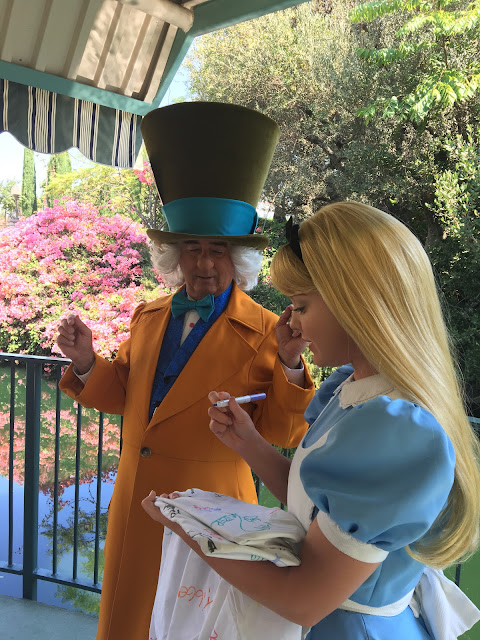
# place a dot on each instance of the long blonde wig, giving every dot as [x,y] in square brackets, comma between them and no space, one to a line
[377,280]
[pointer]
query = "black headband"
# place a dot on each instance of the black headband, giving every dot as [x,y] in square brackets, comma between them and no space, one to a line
[291,233]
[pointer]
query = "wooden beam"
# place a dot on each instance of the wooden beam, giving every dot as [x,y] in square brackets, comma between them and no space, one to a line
[158,74]
[89,10]
[165,10]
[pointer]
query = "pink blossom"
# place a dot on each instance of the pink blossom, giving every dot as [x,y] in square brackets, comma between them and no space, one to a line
[68,258]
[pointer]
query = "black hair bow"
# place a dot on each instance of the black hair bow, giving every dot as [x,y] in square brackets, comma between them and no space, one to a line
[291,233]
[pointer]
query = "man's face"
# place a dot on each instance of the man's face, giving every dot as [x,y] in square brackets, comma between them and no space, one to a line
[207,267]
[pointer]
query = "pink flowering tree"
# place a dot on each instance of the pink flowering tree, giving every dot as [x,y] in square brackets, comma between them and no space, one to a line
[69,259]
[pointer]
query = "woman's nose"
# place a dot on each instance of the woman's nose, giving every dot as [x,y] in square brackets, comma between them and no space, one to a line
[294,323]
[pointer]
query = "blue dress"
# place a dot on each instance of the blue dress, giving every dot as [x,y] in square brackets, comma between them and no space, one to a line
[375,470]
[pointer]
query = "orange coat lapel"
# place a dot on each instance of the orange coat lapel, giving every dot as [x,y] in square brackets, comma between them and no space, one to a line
[148,334]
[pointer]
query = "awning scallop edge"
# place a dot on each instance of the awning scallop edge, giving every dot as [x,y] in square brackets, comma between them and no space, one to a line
[49,122]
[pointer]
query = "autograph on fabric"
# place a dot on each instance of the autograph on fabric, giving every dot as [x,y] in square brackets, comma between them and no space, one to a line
[192,592]
[171,511]
[258,525]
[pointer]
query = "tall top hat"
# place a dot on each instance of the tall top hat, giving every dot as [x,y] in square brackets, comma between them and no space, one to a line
[210,161]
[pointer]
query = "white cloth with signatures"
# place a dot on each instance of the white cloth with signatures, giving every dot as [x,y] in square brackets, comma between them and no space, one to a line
[195,603]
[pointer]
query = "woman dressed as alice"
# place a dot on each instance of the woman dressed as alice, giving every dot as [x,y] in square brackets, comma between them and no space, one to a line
[386,481]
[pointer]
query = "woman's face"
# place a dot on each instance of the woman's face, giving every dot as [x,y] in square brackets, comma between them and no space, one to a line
[330,345]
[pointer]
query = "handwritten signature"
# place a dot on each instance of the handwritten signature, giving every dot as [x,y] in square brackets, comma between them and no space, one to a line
[192,592]
[254,522]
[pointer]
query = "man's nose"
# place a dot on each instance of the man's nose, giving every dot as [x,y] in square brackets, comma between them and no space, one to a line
[205,261]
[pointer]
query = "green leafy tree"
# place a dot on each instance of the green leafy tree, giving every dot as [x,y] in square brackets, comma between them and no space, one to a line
[58,164]
[63,163]
[128,192]
[28,201]
[7,201]
[297,66]
[441,36]
[80,599]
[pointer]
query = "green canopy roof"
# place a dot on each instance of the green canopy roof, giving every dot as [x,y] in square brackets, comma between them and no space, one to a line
[82,73]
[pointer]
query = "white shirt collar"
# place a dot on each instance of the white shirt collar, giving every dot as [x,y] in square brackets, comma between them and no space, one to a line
[352,392]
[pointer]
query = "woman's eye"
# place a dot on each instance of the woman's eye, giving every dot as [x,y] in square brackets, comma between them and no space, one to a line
[299,309]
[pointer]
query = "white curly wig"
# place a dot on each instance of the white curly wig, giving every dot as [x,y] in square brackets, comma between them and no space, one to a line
[246,261]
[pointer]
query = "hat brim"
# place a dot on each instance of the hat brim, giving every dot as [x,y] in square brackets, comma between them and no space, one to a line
[254,240]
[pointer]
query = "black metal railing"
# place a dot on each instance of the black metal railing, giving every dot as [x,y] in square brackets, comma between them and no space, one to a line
[27,382]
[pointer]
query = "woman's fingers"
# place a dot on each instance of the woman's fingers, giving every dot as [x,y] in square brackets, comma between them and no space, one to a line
[220,415]
[148,504]
[285,316]
[215,396]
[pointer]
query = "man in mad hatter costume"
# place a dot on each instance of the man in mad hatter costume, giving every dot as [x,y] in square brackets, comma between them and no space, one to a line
[210,161]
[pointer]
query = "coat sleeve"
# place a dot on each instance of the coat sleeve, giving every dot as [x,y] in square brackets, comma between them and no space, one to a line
[280,417]
[105,388]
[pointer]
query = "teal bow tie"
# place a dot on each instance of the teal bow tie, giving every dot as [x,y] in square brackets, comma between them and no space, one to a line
[181,304]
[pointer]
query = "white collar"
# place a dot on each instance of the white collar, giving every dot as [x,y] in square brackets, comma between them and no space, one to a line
[352,392]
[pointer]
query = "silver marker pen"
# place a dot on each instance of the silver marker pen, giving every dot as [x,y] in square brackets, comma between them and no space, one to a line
[242,399]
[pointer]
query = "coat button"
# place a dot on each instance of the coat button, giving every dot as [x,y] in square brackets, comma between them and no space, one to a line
[145,452]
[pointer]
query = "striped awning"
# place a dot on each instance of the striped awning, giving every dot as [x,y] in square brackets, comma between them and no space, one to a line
[50,122]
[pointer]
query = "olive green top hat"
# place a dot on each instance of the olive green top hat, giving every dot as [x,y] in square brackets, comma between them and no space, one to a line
[210,161]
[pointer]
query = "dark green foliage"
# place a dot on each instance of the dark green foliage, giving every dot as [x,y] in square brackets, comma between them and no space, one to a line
[456,254]
[28,200]
[284,65]
[58,164]
[264,293]
[63,163]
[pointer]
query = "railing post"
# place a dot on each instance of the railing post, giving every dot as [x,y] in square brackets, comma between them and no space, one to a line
[32,455]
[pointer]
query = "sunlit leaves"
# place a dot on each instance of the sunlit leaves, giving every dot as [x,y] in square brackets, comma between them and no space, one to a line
[447,71]
[413,25]
[440,91]
[371,10]
[128,192]
[385,56]
[7,201]
[457,188]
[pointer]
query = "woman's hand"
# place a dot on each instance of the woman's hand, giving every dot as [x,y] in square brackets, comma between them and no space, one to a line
[154,512]
[290,341]
[232,425]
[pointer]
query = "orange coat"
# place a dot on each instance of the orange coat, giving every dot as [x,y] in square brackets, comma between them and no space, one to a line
[176,450]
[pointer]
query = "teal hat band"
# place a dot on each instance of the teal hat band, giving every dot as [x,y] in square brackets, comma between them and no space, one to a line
[210,217]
